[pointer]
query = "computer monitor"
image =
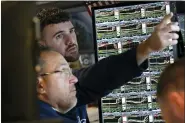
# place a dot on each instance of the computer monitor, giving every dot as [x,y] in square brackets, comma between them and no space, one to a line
[178,8]
[118,28]
[181,20]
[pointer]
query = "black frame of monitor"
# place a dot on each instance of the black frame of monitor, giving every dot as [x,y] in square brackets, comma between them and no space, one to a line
[178,49]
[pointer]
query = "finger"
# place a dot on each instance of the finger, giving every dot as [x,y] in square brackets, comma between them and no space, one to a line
[171,27]
[166,20]
[173,36]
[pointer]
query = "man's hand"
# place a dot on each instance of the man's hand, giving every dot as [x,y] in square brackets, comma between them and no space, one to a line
[164,35]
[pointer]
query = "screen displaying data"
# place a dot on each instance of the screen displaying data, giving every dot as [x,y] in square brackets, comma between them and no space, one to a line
[119,29]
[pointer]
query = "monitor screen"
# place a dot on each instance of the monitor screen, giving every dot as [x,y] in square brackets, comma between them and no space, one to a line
[118,29]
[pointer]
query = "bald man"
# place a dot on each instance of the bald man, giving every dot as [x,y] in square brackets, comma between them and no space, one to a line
[170,92]
[55,85]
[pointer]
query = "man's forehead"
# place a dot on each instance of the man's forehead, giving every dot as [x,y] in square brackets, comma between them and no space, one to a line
[60,26]
[60,61]
[52,29]
[53,57]
[56,62]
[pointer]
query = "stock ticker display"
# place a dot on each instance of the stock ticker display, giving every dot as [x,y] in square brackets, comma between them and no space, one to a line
[119,29]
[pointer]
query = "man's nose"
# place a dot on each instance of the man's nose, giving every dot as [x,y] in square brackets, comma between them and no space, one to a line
[69,39]
[73,79]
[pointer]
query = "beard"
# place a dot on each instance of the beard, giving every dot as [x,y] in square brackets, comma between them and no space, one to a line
[72,56]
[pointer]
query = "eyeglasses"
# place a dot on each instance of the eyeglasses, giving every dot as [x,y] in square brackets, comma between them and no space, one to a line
[67,72]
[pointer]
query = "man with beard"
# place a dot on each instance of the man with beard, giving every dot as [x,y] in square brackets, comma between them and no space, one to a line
[58,33]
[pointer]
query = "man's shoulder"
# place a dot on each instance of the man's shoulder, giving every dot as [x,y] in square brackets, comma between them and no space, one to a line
[47,112]
[76,114]
[80,72]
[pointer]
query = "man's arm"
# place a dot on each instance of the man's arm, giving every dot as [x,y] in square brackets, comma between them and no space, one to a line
[108,74]
[114,71]
[164,35]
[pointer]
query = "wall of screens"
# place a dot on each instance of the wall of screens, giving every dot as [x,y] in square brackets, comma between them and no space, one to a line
[119,29]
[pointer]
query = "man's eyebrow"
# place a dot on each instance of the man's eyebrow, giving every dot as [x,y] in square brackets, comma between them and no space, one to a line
[62,31]
[72,28]
[57,33]
[61,66]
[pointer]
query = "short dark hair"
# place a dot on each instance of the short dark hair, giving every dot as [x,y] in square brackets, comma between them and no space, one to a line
[52,16]
[172,75]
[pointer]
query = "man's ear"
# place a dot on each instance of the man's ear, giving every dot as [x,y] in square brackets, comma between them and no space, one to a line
[40,86]
[177,104]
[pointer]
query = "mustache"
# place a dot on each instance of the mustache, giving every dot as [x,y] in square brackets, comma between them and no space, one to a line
[71,46]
